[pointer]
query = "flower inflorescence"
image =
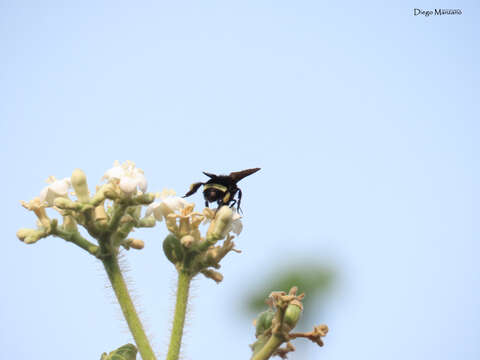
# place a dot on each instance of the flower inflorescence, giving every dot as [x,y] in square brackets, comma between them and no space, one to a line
[114,210]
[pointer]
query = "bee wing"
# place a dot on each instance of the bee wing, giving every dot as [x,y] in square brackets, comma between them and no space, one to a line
[193,189]
[239,175]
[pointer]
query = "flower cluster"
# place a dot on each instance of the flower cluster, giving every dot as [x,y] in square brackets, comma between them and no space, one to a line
[125,186]
[274,326]
[185,246]
[127,176]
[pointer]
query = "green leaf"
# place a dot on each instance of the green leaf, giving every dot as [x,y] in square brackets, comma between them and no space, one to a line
[125,352]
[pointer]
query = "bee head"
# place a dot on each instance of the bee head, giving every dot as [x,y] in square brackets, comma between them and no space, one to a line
[212,194]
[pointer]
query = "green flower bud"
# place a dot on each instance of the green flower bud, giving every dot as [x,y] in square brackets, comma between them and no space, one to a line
[264,321]
[173,249]
[147,222]
[79,183]
[292,314]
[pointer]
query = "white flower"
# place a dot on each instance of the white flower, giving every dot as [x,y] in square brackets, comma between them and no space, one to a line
[127,176]
[57,188]
[169,204]
[237,225]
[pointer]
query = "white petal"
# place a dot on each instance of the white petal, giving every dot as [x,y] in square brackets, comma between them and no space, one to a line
[58,188]
[237,226]
[166,193]
[236,216]
[61,187]
[149,210]
[142,182]
[117,172]
[50,196]
[175,203]
[43,194]
[128,185]
[155,210]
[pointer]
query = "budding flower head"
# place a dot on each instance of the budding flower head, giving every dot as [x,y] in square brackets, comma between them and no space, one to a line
[129,178]
[55,189]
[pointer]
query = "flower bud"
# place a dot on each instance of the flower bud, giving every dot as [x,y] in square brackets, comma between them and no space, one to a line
[173,249]
[147,222]
[136,244]
[221,224]
[29,236]
[79,183]
[264,321]
[187,240]
[292,314]
[212,274]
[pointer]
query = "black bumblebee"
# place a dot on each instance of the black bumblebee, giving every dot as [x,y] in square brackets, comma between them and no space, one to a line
[222,188]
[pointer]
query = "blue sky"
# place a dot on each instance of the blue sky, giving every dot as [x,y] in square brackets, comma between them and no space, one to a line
[363,118]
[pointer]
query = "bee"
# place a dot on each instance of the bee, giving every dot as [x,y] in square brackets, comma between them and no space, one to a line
[222,188]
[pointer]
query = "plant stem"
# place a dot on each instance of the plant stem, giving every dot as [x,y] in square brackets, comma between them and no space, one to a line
[179,317]
[273,344]
[120,288]
[76,238]
[118,211]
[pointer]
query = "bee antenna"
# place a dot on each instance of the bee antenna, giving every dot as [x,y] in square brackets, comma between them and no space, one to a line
[211,176]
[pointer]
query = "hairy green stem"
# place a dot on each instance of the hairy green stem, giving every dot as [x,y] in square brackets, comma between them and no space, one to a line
[120,288]
[76,238]
[260,343]
[118,212]
[269,348]
[179,317]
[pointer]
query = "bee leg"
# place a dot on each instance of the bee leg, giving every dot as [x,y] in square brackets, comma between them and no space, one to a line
[239,200]
[233,203]
[219,205]
[193,189]
[206,203]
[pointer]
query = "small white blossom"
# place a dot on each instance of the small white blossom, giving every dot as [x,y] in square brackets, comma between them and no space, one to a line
[169,204]
[237,225]
[127,176]
[57,188]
